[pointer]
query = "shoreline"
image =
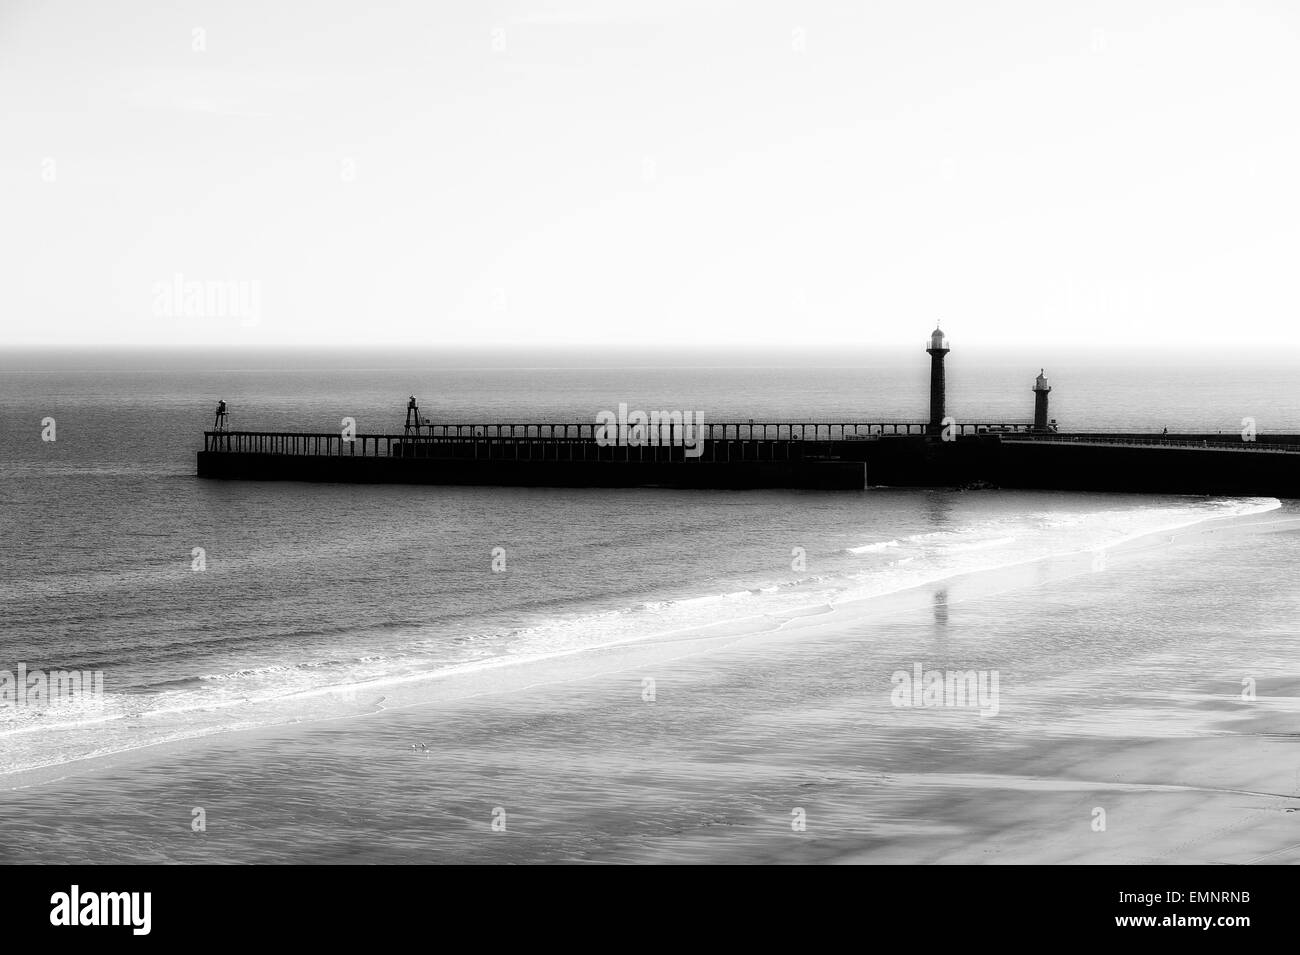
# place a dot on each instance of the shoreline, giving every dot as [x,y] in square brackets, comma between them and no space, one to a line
[503,676]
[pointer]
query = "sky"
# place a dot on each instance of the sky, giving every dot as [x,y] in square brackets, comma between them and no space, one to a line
[669,174]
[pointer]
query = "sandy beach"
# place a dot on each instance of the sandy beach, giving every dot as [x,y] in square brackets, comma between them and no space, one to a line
[775,740]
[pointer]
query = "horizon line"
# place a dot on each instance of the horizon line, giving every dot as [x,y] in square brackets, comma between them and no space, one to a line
[650,346]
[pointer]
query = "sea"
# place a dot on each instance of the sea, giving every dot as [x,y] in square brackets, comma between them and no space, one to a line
[211,607]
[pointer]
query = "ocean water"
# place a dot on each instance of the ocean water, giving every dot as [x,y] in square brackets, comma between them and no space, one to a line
[319,601]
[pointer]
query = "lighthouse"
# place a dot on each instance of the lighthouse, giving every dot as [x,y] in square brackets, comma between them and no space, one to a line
[1041,391]
[938,348]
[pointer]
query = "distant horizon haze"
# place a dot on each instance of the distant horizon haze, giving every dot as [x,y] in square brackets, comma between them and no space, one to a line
[72,357]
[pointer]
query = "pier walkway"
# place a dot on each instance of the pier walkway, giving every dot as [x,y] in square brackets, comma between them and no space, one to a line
[575,437]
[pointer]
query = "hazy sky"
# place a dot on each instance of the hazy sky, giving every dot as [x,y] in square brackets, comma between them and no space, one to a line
[670,172]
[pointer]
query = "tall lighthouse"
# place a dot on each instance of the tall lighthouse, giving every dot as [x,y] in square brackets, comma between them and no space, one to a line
[1041,390]
[938,349]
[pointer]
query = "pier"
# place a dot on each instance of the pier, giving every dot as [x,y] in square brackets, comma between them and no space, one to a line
[826,456]
[830,455]
[676,451]
[332,444]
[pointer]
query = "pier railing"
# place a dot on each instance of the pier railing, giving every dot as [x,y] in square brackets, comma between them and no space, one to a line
[332,443]
[517,447]
[316,443]
[1155,441]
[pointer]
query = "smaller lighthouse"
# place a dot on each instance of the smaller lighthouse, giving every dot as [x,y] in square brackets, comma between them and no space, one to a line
[938,348]
[1041,390]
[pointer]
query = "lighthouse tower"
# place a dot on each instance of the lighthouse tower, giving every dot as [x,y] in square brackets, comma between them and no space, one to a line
[1041,391]
[938,348]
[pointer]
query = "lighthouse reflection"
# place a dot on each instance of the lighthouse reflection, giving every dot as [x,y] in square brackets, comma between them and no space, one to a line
[941,610]
[938,508]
